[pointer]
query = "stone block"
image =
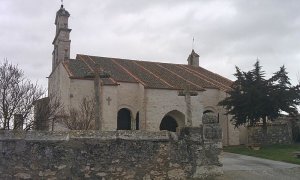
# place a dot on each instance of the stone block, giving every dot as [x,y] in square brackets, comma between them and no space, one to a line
[212,132]
[209,119]
[191,134]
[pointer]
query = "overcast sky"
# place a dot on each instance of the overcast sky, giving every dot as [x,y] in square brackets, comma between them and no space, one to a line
[227,33]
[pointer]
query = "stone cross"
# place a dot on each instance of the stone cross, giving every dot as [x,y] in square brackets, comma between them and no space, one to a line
[97,98]
[187,93]
[108,100]
[98,75]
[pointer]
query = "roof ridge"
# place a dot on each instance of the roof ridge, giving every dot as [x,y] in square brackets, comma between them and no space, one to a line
[112,79]
[67,69]
[138,60]
[153,74]
[216,74]
[148,73]
[184,68]
[83,60]
[180,76]
[128,72]
[200,74]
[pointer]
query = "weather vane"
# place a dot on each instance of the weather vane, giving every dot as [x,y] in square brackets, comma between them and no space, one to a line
[193,42]
[62,2]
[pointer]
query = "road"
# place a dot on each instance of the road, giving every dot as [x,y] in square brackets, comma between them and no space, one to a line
[242,167]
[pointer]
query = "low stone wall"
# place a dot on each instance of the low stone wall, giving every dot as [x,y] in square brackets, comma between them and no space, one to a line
[110,155]
[277,133]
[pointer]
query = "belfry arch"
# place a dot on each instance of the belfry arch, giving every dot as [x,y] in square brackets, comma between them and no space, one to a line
[124,119]
[172,121]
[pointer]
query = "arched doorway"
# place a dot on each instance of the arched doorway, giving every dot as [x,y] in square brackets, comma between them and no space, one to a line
[172,121]
[168,123]
[124,119]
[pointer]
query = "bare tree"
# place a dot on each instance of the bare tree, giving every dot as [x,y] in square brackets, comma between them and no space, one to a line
[82,118]
[47,111]
[17,95]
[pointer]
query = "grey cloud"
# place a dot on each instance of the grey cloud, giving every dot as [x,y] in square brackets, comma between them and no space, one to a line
[227,33]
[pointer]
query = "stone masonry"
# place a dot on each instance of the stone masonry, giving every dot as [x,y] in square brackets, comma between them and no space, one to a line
[277,133]
[111,155]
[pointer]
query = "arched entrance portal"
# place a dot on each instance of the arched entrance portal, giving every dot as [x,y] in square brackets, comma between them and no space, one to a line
[172,121]
[168,123]
[124,119]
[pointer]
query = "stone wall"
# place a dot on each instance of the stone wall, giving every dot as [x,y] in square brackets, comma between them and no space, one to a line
[211,98]
[277,133]
[111,155]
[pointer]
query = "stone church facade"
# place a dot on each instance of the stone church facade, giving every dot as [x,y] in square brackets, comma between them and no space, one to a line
[138,95]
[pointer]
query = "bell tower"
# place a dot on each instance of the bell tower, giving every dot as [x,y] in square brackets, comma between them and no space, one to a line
[193,59]
[61,40]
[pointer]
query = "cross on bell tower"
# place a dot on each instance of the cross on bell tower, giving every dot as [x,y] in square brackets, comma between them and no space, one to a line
[61,40]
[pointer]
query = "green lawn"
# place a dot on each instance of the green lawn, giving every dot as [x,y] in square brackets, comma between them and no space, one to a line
[275,152]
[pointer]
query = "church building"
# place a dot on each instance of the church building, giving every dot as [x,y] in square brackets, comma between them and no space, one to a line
[137,94]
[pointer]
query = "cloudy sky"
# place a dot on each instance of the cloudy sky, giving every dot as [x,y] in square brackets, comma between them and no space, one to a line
[227,33]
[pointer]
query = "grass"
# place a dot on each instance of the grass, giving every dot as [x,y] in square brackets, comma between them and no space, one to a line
[274,152]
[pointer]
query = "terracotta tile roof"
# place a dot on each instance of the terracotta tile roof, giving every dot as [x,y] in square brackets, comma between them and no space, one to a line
[151,74]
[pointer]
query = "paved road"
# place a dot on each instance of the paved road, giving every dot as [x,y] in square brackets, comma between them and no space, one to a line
[242,167]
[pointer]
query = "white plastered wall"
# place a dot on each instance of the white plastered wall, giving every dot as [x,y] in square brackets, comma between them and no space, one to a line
[80,89]
[128,97]
[124,95]
[59,87]
[152,104]
[160,102]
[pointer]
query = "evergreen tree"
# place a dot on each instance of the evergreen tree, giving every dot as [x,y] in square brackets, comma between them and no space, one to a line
[253,98]
[285,97]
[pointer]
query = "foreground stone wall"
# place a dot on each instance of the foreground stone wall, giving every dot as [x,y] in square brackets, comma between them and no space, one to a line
[110,155]
[277,133]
